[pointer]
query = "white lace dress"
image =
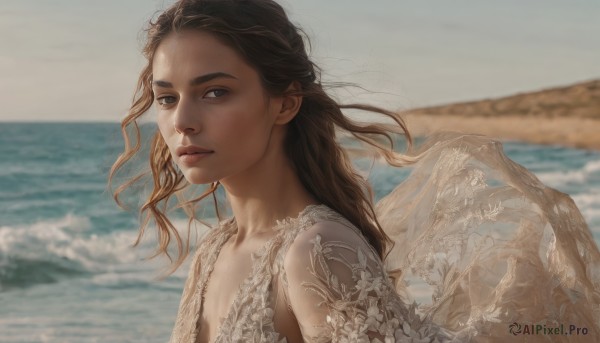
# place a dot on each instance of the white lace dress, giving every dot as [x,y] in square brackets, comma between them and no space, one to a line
[344,278]
[501,252]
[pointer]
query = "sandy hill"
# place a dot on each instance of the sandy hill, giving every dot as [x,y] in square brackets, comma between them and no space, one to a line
[567,115]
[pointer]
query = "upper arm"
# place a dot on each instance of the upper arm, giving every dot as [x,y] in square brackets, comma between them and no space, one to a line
[336,285]
[339,291]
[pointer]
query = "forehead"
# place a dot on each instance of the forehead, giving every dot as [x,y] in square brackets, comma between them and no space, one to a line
[188,54]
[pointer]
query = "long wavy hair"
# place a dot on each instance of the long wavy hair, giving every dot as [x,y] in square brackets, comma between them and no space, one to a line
[260,31]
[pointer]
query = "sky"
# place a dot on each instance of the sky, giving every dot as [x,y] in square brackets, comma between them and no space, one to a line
[78,60]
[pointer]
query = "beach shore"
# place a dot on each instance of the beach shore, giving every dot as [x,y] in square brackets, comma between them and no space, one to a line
[567,116]
[572,132]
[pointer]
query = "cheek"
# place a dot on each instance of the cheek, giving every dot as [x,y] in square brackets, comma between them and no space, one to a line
[248,126]
[244,133]
[166,131]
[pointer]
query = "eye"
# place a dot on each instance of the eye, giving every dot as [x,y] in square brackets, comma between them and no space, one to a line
[216,93]
[165,100]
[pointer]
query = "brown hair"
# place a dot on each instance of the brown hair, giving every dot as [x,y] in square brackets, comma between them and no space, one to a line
[260,31]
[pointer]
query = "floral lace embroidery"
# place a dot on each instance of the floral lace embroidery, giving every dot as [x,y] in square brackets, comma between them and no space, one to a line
[495,244]
[251,316]
[365,308]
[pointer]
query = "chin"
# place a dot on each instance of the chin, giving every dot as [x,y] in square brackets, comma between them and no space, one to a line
[198,177]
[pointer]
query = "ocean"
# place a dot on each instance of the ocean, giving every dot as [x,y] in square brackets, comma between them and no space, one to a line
[68,272]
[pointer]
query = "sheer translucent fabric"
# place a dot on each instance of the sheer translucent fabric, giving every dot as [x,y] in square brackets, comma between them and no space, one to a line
[334,282]
[495,245]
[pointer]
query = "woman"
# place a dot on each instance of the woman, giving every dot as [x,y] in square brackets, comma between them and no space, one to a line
[240,104]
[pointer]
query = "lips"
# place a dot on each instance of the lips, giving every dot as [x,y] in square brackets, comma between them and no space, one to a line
[191,150]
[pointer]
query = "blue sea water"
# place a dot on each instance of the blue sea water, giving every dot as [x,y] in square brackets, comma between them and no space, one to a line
[68,272]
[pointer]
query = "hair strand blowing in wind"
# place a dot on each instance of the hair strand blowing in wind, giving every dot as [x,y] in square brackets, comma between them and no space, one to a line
[260,31]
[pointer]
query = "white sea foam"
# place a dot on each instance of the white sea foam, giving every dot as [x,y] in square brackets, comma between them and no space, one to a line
[557,178]
[589,205]
[71,238]
[588,199]
[65,238]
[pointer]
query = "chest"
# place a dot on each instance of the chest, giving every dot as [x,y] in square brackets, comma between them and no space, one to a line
[224,292]
[228,273]
[226,278]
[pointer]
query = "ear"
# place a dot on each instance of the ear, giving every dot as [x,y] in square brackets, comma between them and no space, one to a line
[290,104]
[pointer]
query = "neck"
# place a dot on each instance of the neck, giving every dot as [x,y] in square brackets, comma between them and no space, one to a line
[263,195]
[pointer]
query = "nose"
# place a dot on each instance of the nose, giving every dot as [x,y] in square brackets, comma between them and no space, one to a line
[186,119]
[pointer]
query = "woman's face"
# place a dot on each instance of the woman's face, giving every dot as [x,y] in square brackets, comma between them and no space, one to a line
[213,112]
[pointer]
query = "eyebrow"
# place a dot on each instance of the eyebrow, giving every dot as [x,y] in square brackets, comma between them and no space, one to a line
[197,80]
